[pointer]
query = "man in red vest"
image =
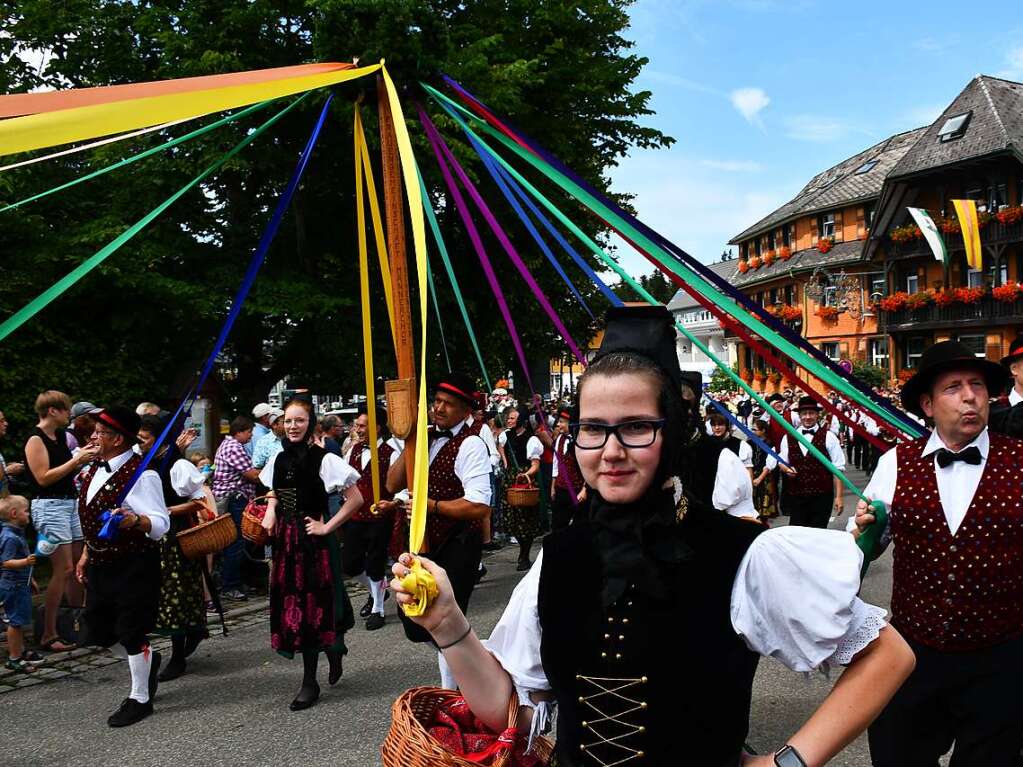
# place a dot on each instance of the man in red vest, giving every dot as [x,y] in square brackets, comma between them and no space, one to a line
[568,480]
[955,502]
[810,494]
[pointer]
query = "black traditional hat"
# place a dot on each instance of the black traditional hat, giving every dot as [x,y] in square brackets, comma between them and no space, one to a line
[945,356]
[644,330]
[458,385]
[695,380]
[776,397]
[808,403]
[1015,352]
[123,420]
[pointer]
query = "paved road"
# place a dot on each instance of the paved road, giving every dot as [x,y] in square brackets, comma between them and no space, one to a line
[231,708]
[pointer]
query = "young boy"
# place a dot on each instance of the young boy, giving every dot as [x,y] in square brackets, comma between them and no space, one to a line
[15,576]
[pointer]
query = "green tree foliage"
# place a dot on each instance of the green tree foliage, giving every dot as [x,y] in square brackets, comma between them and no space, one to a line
[138,327]
[871,375]
[720,382]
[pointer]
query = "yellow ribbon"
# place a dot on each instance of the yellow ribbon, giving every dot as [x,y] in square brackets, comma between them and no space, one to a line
[22,134]
[420,583]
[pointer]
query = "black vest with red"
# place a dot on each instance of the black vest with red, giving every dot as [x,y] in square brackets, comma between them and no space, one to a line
[445,486]
[812,477]
[365,483]
[569,476]
[516,446]
[302,472]
[965,591]
[127,542]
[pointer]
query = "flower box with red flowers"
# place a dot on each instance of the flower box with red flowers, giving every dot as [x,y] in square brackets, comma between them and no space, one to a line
[969,295]
[754,263]
[919,300]
[790,313]
[784,252]
[895,302]
[1007,293]
[906,233]
[825,244]
[743,266]
[828,313]
[1010,215]
[769,257]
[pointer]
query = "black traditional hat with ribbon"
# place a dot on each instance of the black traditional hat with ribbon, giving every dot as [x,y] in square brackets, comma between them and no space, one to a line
[458,385]
[808,403]
[943,357]
[122,420]
[645,330]
[1015,352]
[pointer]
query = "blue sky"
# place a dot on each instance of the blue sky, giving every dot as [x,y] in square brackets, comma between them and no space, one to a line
[763,94]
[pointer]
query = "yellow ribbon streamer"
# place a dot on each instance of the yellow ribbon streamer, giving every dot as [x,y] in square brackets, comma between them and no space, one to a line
[422,585]
[22,134]
[367,329]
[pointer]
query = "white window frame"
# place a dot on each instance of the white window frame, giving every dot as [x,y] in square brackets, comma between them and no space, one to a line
[974,278]
[877,359]
[826,347]
[913,360]
[912,283]
[827,220]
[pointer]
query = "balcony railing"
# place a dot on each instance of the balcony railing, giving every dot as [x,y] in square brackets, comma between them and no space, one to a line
[993,234]
[987,309]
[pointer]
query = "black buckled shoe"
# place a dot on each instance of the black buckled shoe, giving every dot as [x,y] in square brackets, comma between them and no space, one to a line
[366,608]
[130,712]
[374,621]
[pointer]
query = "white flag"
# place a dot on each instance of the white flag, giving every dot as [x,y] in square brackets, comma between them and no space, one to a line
[930,232]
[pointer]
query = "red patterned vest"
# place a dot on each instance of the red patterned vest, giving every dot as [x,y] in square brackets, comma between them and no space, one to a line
[962,592]
[128,542]
[365,483]
[445,486]
[813,478]
[568,467]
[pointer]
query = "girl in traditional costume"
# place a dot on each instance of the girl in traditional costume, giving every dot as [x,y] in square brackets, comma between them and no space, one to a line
[764,476]
[645,621]
[521,452]
[309,607]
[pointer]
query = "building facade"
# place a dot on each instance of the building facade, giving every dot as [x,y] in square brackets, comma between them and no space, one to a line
[705,327]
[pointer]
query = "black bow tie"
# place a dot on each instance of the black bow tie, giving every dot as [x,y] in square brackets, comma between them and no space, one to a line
[970,455]
[103,464]
[809,431]
[438,433]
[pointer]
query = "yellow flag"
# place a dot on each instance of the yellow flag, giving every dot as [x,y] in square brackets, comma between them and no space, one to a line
[966,212]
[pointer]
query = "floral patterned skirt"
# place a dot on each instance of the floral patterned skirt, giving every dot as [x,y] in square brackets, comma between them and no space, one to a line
[309,606]
[182,599]
[765,497]
[521,521]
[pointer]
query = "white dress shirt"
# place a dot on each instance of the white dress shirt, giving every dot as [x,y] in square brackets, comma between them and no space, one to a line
[1014,396]
[534,447]
[833,449]
[187,481]
[365,456]
[733,488]
[957,482]
[472,465]
[335,472]
[144,498]
[746,454]
[488,439]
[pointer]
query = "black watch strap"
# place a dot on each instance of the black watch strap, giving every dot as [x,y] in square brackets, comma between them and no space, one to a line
[788,757]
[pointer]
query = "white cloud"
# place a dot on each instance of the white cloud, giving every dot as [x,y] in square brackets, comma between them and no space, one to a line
[918,116]
[819,129]
[750,102]
[734,166]
[1014,65]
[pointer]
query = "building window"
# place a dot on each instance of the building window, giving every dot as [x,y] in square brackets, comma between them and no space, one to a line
[912,283]
[770,240]
[877,349]
[974,278]
[998,195]
[826,225]
[868,166]
[788,294]
[868,214]
[954,127]
[998,273]
[774,296]
[877,284]
[975,344]
[786,237]
[830,349]
[830,296]
[759,247]
[914,350]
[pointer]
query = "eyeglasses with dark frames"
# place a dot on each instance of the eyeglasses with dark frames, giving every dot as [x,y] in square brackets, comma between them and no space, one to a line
[589,435]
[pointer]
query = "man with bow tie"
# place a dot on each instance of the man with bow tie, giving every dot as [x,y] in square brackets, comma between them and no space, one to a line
[459,494]
[811,495]
[955,505]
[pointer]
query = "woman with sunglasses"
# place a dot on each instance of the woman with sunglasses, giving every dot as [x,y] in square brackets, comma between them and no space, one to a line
[645,622]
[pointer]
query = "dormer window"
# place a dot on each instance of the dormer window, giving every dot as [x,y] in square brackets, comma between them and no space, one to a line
[868,166]
[826,225]
[954,127]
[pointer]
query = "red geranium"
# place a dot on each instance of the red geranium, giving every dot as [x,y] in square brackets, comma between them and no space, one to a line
[1010,215]
[743,266]
[754,263]
[895,301]
[1008,292]
[789,313]
[784,252]
[905,233]
[969,295]
[825,244]
[920,300]
[945,297]
[769,257]
[828,313]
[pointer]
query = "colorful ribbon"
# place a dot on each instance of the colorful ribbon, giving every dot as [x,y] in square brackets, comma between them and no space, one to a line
[36,131]
[37,304]
[111,522]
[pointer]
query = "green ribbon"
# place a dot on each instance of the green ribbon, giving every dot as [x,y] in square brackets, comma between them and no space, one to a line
[435,228]
[640,290]
[709,292]
[142,155]
[37,304]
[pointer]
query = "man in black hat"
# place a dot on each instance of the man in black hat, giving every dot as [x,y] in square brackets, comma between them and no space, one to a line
[1007,417]
[458,494]
[955,516]
[121,569]
[811,495]
[568,490]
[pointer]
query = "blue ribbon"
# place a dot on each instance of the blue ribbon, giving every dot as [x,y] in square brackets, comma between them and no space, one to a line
[745,430]
[111,525]
[236,305]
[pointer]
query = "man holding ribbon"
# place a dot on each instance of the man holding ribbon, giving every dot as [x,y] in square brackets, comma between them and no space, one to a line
[955,516]
[811,494]
[120,565]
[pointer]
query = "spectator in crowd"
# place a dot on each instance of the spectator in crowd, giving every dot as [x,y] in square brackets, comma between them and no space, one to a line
[15,581]
[82,422]
[7,470]
[54,505]
[270,443]
[234,483]
[147,408]
[261,425]
[333,435]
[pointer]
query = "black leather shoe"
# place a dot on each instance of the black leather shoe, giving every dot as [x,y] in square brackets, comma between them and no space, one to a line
[154,676]
[374,621]
[366,608]
[130,712]
[524,564]
[174,668]
[306,698]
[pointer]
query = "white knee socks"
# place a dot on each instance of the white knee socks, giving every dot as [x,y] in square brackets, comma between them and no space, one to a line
[447,679]
[376,590]
[140,665]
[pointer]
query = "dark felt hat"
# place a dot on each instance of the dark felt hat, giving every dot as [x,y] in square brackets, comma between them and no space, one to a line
[943,357]
[1015,351]
[775,398]
[458,385]
[808,403]
[644,330]
[123,420]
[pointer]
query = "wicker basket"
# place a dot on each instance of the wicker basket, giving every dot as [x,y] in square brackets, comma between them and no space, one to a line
[208,537]
[523,495]
[408,744]
[252,522]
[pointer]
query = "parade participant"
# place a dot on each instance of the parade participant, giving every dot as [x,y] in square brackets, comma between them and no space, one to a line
[586,625]
[733,489]
[458,496]
[568,480]
[309,607]
[775,431]
[810,494]
[764,478]
[367,530]
[55,515]
[182,611]
[122,573]
[1007,417]
[521,452]
[955,515]
[478,425]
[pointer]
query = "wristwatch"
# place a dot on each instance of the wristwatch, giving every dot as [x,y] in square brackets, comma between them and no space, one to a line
[788,757]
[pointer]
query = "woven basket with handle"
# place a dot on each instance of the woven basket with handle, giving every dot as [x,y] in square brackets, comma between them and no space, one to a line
[208,537]
[523,495]
[409,744]
[252,522]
